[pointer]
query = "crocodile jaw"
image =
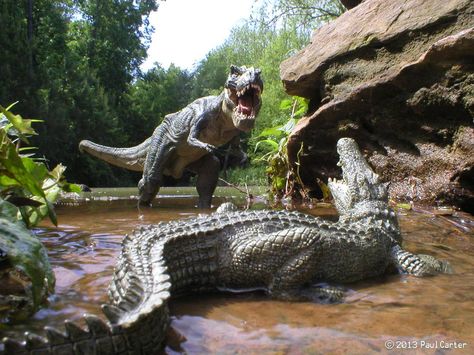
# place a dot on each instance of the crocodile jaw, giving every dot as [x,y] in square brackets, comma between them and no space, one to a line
[359,193]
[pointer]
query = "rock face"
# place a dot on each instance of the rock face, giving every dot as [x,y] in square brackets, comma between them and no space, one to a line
[398,76]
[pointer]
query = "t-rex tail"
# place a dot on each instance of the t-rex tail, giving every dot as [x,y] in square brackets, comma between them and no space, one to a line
[132,158]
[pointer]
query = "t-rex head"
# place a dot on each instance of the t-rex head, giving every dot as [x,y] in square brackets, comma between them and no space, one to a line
[243,89]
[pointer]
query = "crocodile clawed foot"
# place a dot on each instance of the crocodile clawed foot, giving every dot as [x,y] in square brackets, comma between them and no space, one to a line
[418,264]
[319,293]
[433,266]
[324,293]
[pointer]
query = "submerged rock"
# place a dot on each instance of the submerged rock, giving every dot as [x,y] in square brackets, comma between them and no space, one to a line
[26,277]
[398,76]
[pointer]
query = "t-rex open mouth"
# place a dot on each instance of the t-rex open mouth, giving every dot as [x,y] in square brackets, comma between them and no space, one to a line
[248,99]
[244,88]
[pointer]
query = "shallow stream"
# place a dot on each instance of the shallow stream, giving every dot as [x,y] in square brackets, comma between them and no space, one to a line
[433,315]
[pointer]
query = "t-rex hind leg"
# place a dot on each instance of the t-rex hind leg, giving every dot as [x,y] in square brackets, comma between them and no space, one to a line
[207,170]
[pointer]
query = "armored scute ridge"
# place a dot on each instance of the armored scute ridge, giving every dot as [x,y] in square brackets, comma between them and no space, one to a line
[187,139]
[281,252]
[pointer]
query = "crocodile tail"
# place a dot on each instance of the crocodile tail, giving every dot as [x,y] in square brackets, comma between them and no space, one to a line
[99,337]
[132,158]
[136,319]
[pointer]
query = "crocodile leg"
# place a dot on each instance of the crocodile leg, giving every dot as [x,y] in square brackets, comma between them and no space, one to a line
[418,264]
[207,170]
[288,281]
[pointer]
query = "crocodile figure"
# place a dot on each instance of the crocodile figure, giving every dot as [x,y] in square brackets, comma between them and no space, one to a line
[188,138]
[284,253]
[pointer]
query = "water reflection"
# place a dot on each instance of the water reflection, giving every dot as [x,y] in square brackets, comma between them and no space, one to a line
[84,247]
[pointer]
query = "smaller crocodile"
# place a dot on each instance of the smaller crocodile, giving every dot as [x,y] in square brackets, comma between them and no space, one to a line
[283,253]
[188,138]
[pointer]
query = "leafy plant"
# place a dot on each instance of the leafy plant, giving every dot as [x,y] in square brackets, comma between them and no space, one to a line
[275,139]
[25,182]
[27,275]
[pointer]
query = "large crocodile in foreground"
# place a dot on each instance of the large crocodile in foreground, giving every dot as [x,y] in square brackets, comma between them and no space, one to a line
[188,138]
[281,252]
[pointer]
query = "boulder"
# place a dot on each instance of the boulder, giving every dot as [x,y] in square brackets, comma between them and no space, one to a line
[397,76]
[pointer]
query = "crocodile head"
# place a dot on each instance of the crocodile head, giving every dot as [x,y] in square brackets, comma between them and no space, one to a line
[243,90]
[360,194]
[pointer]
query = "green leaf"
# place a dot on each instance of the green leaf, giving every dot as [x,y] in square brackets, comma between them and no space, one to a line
[21,125]
[67,187]
[280,182]
[286,104]
[15,165]
[270,142]
[57,172]
[273,131]
[7,181]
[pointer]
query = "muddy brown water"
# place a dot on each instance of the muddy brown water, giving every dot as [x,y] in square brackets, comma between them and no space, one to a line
[391,314]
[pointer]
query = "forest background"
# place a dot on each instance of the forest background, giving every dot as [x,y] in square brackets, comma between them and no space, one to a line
[75,64]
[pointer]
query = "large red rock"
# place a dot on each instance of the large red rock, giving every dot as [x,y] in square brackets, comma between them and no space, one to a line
[398,76]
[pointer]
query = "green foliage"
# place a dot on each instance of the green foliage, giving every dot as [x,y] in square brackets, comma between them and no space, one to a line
[72,63]
[275,140]
[305,14]
[155,94]
[254,175]
[23,181]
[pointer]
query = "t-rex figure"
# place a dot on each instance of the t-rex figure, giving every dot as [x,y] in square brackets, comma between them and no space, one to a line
[188,138]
